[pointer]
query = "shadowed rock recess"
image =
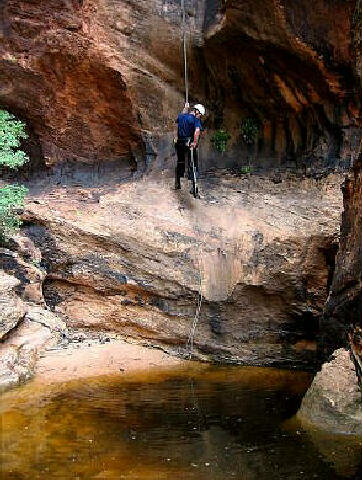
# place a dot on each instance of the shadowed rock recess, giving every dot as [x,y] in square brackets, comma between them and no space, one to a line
[107,244]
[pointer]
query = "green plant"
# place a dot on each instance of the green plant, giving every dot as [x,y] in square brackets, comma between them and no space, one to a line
[249,130]
[11,199]
[246,169]
[12,131]
[220,139]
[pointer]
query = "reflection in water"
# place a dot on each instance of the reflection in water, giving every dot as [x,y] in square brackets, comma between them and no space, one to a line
[201,423]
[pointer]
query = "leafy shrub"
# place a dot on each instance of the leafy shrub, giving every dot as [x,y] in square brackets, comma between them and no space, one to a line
[12,131]
[220,139]
[11,199]
[249,130]
[246,169]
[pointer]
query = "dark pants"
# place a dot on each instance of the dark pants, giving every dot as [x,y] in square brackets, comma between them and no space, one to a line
[184,158]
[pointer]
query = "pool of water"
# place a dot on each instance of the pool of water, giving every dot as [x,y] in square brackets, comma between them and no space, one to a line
[197,423]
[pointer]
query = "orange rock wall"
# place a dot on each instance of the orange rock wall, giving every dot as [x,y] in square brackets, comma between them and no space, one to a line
[96,79]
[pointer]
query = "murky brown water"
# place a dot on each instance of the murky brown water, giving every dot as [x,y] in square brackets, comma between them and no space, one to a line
[199,423]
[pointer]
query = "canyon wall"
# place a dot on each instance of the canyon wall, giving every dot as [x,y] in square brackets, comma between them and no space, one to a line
[290,66]
[101,81]
[343,314]
[333,402]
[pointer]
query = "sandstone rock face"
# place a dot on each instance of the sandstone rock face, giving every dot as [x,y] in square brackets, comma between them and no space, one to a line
[26,326]
[19,354]
[344,306]
[12,309]
[100,81]
[130,260]
[89,76]
[284,64]
[333,402]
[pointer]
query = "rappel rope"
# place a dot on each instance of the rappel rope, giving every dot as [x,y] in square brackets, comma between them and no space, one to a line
[190,341]
[184,50]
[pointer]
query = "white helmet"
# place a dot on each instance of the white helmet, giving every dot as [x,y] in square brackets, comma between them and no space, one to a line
[200,108]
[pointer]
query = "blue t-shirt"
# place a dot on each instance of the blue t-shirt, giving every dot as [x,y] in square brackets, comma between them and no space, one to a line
[187,125]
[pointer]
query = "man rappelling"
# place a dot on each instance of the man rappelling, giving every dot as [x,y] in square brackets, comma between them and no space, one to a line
[188,134]
[189,127]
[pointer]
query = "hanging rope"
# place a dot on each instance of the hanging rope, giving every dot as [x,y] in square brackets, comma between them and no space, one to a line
[190,341]
[184,50]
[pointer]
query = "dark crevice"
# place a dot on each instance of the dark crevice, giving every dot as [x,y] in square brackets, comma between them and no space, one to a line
[13,330]
[330,257]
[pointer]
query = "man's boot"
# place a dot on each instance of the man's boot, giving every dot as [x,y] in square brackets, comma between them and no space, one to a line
[177,181]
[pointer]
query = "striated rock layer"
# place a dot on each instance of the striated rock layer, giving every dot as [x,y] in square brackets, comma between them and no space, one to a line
[130,259]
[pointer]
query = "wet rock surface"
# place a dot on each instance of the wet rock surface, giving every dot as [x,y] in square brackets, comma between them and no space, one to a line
[333,402]
[20,350]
